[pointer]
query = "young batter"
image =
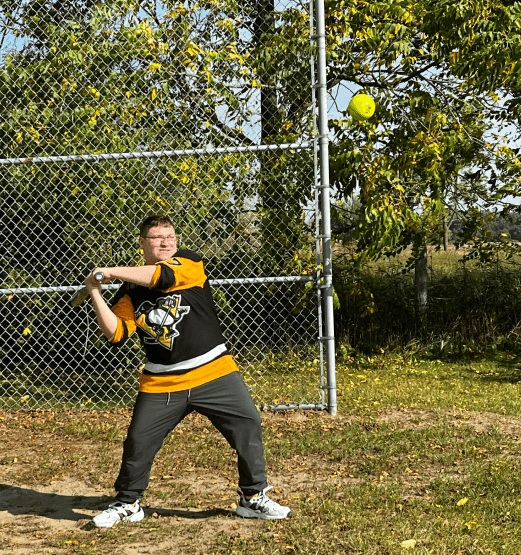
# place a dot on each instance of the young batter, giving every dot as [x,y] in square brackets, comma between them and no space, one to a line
[169,304]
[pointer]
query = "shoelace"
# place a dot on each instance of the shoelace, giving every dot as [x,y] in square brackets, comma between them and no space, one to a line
[263,501]
[120,508]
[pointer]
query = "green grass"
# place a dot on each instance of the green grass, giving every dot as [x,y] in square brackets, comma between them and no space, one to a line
[449,261]
[490,383]
[424,457]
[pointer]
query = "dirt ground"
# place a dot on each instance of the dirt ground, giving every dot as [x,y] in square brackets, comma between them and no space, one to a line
[45,509]
[29,516]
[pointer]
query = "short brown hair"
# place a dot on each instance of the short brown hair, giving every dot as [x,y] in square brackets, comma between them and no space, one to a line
[154,221]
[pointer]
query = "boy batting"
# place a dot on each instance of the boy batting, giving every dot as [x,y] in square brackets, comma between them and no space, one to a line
[168,303]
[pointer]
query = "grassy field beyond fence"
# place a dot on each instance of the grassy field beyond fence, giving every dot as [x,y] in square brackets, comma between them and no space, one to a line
[470,307]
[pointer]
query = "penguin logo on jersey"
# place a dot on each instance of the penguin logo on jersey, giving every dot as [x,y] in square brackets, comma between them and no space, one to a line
[159,320]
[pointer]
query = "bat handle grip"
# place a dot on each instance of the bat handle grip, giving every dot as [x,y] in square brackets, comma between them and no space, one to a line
[98,276]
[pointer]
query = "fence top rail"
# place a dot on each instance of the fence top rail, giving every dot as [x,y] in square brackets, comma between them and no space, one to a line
[151,154]
[231,281]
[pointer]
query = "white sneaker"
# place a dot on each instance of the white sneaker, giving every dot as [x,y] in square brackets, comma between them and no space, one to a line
[261,506]
[119,512]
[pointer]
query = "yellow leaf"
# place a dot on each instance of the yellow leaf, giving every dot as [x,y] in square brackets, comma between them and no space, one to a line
[408,544]
[27,331]
[462,502]
[454,57]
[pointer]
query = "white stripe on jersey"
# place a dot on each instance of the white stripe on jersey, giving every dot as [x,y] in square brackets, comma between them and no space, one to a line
[187,364]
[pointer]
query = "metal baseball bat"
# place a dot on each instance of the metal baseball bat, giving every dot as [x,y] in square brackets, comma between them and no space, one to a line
[82,293]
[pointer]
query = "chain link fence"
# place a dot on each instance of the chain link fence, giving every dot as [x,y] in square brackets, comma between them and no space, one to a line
[118,109]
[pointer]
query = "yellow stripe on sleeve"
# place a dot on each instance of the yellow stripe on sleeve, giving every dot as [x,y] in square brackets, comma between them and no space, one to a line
[188,273]
[124,310]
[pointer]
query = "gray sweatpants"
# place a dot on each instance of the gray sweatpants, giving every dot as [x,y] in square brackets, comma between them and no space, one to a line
[226,402]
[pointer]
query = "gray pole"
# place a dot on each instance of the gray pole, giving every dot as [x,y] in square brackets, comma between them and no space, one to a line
[327,263]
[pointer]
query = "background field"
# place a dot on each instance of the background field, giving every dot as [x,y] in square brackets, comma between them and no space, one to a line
[472,305]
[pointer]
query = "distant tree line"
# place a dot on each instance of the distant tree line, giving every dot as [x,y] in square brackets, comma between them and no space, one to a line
[496,226]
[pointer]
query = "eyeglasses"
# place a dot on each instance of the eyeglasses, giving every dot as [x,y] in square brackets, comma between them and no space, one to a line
[159,238]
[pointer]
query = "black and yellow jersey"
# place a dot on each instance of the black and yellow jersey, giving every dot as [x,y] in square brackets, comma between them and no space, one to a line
[177,324]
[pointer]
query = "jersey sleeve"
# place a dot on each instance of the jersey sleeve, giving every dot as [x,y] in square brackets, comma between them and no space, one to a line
[123,308]
[182,271]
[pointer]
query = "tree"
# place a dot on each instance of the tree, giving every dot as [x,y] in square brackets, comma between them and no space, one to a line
[430,148]
[106,79]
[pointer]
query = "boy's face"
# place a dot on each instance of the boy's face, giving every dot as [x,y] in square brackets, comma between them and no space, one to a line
[159,244]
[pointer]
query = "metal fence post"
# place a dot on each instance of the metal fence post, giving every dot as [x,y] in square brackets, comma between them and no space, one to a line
[329,336]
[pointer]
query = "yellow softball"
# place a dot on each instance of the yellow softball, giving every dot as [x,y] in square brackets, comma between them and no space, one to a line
[361,107]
